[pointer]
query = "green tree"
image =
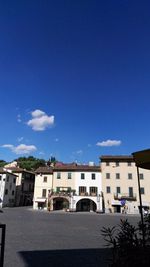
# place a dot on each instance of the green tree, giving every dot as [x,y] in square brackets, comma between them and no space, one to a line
[30,163]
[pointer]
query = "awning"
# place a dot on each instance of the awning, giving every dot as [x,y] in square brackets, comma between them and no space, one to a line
[145,204]
[115,203]
[142,159]
[40,200]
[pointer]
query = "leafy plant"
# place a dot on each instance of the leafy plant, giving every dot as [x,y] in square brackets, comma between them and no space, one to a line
[126,242]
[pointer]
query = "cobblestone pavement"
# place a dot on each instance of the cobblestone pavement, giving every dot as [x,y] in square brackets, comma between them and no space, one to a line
[43,239]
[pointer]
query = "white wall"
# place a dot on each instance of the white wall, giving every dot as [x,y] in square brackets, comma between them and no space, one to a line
[7,183]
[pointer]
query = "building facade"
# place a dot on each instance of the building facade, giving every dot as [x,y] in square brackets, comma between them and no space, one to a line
[120,185]
[42,187]
[70,187]
[24,186]
[7,188]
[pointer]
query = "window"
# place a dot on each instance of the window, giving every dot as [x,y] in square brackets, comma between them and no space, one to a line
[107,163]
[108,189]
[130,191]
[57,189]
[142,190]
[129,164]
[13,192]
[93,190]
[44,193]
[45,179]
[129,176]
[58,175]
[141,176]
[118,190]
[6,191]
[0,177]
[107,175]
[117,175]
[82,176]
[30,187]
[69,175]
[7,178]
[117,164]
[93,176]
[14,180]
[82,190]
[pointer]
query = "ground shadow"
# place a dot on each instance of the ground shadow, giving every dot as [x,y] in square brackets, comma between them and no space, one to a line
[66,258]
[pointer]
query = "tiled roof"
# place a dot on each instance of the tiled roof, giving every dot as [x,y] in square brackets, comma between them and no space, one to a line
[116,158]
[4,170]
[68,167]
[45,169]
[18,170]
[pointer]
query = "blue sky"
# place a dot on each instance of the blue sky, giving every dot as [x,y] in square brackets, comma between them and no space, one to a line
[74,78]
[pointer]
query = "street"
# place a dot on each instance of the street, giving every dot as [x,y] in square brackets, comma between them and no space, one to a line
[41,238]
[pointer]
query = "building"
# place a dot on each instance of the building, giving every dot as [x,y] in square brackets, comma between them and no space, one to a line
[42,187]
[7,188]
[24,186]
[88,186]
[120,185]
[70,187]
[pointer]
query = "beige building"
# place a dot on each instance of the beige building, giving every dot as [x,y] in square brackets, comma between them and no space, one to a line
[24,186]
[42,187]
[120,185]
[71,187]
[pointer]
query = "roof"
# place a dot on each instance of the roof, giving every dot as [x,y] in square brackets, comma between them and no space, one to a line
[81,168]
[45,169]
[18,170]
[68,168]
[4,170]
[112,158]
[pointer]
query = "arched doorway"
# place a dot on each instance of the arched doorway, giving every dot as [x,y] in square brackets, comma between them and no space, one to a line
[86,205]
[60,203]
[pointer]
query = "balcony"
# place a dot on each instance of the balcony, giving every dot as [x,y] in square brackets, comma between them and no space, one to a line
[87,194]
[125,196]
[61,194]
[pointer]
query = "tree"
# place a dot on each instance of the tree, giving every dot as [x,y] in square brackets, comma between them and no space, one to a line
[2,163]
[30,163]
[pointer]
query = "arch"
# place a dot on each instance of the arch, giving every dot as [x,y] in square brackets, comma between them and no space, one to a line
[60,203]
[86,204]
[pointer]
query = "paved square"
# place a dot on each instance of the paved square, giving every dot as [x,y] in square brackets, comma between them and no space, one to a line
[39,238]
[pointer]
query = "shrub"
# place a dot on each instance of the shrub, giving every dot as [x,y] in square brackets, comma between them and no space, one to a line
[126,242]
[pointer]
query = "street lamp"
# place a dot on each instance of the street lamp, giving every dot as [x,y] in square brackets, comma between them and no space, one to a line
[142,160]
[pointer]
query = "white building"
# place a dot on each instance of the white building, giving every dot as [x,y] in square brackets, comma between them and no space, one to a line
[7,188]
[88,188]
[71,187]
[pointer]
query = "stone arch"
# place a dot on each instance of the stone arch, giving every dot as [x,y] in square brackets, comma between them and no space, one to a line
[86,204]
[60,203]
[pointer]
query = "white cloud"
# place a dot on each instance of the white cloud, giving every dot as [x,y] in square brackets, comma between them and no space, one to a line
[19,139]
[37,113]
[41,153]
[40,120]
[19,118]
[7,146]
[109,143]
[79,151]
[21,149]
